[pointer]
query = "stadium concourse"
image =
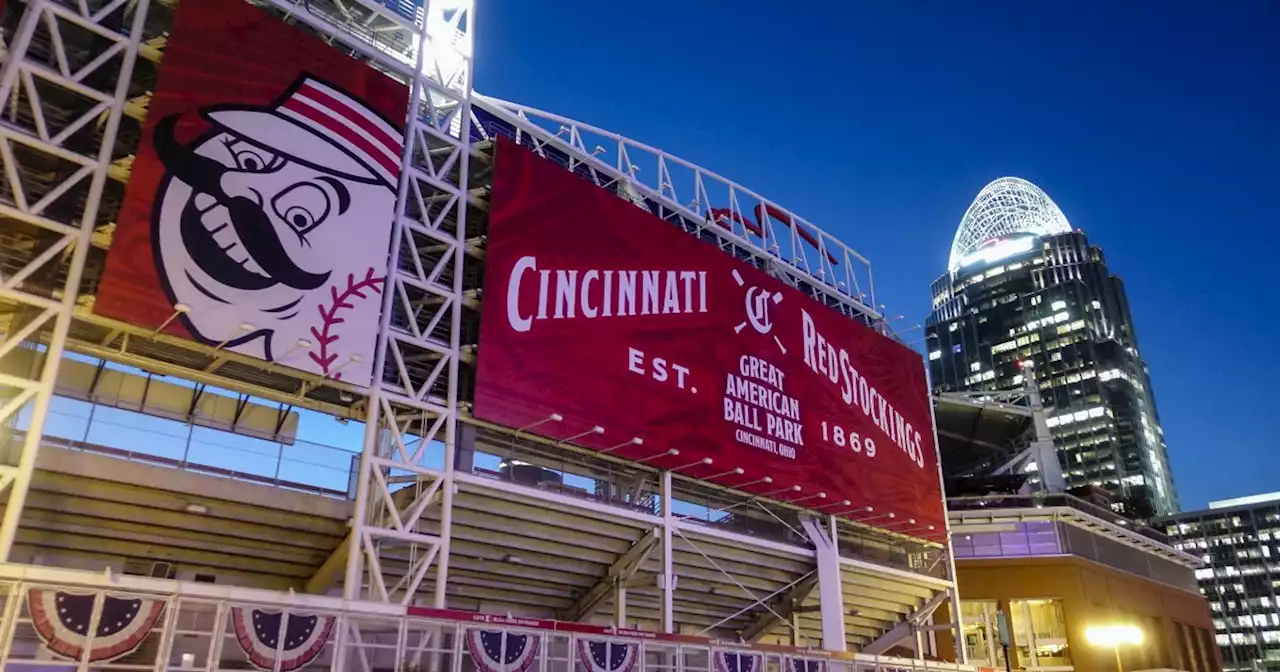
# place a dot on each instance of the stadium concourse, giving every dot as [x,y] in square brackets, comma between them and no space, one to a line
[237,436]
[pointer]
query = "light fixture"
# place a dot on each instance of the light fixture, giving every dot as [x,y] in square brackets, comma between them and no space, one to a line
[245,327]
[199,509]
[300,344]
[736,471]
[766,480]
[843,502]
[597,429]
[861,509]
[1113,637]
[770,493]
[672,452]
[702,462]
[178,309]
[353,359]
[633,441]
[554,417]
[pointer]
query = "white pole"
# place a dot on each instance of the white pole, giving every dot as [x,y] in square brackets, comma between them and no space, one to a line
[958,635]
[668,574]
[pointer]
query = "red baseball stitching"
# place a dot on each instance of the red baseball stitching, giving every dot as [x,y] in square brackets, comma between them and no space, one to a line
[329,318]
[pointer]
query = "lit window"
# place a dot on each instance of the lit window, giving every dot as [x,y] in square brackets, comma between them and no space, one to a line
[954,326]
[1039,632]
[936,354]
[1058,305]
[976,366]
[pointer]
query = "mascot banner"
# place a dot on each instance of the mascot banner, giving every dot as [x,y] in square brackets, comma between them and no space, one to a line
[258,214]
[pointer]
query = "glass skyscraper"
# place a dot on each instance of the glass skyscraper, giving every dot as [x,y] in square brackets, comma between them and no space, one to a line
[1240,540]
[1023,293]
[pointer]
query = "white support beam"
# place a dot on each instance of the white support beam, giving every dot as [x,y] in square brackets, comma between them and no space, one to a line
[616,578]
[952,590]
[620,604]
[668,579]
[830,587]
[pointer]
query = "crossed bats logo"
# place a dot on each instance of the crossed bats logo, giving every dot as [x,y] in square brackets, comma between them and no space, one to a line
[759,302]
[273,226]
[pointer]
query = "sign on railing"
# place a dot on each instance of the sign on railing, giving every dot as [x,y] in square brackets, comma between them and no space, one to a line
[94,619]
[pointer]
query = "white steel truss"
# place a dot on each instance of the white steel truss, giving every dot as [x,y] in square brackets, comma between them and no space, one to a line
[54,164]
[707,205]
[413,405]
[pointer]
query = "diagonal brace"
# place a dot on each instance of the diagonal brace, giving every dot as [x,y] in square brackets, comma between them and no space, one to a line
[783,608]
[620,571]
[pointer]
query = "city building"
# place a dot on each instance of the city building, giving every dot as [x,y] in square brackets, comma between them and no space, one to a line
[1239,540]
[1025,291]
[1052,565]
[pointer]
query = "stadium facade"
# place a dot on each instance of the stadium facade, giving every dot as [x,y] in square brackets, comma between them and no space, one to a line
[1025,292]
[1239,541]
[285,385]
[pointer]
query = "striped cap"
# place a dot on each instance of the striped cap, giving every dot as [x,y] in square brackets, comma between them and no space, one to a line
[323,126]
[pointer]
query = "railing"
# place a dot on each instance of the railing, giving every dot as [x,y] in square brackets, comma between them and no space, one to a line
[1070,501]
[65,620]
[303,465]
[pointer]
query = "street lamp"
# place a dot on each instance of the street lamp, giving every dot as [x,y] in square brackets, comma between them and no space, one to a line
[1113,637]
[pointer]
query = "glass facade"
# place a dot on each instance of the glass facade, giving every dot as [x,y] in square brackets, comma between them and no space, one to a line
[1051,302]
[1241,544]
[1037,630]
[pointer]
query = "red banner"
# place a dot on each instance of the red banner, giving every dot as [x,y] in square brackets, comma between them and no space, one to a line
[258,213]
[603,314]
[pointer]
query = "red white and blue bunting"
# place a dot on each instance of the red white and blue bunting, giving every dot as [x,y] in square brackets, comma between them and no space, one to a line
[258,633]
[62,620]
[738,661]
[603,655]
[805,664]
[502,651]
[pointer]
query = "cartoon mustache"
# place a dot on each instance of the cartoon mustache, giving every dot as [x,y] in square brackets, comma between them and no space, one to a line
[251,223]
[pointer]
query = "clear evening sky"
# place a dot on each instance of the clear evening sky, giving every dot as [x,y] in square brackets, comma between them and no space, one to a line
[1154,125]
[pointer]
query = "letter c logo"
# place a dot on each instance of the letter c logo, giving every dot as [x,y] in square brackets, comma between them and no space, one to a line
[514,318]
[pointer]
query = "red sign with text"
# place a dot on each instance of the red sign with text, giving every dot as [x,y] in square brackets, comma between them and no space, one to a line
[601,313]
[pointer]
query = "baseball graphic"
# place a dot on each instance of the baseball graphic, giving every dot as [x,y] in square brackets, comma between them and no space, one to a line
[272,229]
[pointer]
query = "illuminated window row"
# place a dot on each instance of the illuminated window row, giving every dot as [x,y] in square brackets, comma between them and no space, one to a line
[1077,416]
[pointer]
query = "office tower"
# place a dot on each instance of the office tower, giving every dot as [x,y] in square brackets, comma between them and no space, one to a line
[1240,540]
[1025,292]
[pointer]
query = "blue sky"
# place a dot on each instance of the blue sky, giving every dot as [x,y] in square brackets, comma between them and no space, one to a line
[1154,125]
